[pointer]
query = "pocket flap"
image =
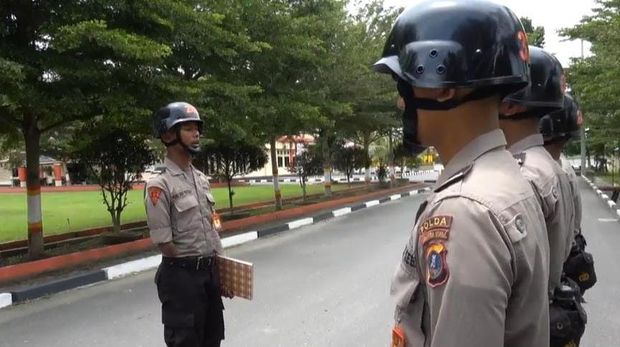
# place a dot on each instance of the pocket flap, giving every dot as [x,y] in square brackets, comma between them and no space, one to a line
[516,228]
[210,198]
[185,203]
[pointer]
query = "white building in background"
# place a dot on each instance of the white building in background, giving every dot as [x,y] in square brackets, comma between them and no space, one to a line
[6,173]
[287,147]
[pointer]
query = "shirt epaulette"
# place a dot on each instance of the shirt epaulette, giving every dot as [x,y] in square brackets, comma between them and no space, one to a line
[520,158]
[455,178]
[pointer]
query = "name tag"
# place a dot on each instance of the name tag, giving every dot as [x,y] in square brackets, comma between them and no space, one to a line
[217,222]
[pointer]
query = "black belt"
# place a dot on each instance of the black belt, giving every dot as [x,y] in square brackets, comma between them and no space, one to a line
[191,263]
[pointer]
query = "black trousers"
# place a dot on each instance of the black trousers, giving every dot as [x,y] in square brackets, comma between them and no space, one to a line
[192,308]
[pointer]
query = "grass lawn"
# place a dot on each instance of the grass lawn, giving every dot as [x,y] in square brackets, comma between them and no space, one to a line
[609,178]
[73,211]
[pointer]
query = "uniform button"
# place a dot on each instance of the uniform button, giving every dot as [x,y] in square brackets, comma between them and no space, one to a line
[520,224]
[554,192]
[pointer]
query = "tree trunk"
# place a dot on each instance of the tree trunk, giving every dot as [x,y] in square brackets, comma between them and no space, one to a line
[116,221]
[274,170]
[303,189]
[230,195]
[327,168]
[32,136]
[391,159]
[366,144]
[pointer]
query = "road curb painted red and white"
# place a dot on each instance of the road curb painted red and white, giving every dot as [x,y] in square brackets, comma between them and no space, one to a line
[610,203]
[151,262]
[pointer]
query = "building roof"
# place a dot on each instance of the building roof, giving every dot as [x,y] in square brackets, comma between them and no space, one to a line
[303,138]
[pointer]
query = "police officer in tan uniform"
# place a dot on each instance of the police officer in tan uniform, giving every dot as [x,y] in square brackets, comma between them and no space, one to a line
[474,271]
[519,119]
[569,317]
[558,129]
[180,217]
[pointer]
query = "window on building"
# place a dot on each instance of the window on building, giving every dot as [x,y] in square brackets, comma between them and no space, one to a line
[283,158]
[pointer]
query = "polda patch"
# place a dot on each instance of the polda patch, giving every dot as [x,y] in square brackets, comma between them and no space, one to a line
[433,233]
[435,228]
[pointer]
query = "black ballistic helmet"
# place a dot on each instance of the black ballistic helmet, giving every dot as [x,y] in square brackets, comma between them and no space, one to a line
[544,94]
[173,114]
[454,44]
[562,125]
[451,44]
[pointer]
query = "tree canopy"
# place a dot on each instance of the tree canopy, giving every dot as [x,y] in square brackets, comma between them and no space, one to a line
[595,80]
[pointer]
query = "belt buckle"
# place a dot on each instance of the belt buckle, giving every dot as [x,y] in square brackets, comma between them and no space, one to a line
[198,261]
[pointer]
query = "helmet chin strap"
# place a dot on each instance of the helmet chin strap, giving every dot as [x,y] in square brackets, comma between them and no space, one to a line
[434,105]
[523,115]
[557,139]
[410,119]
[189,149]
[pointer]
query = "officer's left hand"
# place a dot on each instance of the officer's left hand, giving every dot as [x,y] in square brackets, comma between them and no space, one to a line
[227,293]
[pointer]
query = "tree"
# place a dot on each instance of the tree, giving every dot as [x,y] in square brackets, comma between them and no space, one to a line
[372,96]
[307,163]
[62,61]
[62,56]
[535,35]
[595,80]
[227,160]
[116,158]
[300,36]
[348,159]
[404,158]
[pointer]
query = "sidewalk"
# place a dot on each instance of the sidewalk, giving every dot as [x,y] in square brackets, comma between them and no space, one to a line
[108,271]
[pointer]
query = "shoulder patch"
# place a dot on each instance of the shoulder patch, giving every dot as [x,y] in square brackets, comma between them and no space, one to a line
[154,194]
[435,228]
[437,272]
[433,233]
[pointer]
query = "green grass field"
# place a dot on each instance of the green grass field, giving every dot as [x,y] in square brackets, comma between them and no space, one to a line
[73,211]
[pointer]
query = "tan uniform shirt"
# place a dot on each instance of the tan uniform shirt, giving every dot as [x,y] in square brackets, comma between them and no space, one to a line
[179,208]
[474,272]
[566,166]
[552,186]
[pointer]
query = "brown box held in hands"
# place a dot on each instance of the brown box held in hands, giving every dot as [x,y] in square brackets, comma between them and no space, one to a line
[237,276]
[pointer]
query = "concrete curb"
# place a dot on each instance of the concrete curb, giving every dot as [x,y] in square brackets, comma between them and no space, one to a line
[151,262]
[612,205]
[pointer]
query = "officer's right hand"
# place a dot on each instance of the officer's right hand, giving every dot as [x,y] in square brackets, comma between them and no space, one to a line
[227,293]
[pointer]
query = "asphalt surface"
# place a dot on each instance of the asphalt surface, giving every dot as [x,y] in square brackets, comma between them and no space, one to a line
[322,285]
[602,231]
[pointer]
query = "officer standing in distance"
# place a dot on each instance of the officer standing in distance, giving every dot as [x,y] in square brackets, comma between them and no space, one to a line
[180,217]
[568,317]
[520,115]
[558,129]
[474,272]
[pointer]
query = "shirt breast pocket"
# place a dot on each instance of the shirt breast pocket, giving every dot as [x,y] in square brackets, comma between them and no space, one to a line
[404,289]
[187,212]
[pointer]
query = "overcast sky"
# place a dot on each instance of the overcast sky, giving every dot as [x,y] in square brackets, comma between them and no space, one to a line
[552,14]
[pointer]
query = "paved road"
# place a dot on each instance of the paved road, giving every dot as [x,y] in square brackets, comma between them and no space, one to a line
[602,231]
[324,285]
